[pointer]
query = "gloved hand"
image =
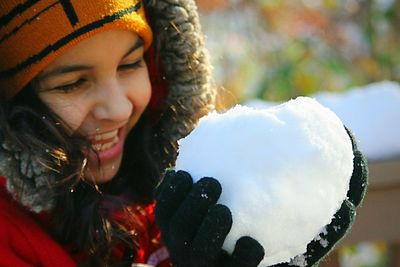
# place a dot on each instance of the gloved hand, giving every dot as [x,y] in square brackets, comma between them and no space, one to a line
[344,217]
[193,227]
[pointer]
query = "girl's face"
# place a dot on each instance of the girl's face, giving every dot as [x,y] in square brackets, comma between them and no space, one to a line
[100,88]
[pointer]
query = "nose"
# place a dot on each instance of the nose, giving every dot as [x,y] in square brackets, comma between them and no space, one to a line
[112,102]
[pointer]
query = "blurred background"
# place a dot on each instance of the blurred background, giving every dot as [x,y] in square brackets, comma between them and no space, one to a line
[275,50]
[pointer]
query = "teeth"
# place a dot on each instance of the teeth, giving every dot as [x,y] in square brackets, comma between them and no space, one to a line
[97,147]
[105,136]
[105,146]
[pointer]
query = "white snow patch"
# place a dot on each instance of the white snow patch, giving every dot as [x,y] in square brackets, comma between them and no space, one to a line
[299,261]
[284,171]
[372,112]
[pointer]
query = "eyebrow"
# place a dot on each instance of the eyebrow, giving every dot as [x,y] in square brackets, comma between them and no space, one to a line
[138,44]
[73,68]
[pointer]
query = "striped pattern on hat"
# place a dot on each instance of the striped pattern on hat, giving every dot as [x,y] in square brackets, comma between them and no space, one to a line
[35,32]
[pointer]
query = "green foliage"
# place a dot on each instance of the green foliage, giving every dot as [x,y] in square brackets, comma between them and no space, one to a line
[290,48]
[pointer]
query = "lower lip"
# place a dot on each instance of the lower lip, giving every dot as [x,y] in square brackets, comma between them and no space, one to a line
[112,152]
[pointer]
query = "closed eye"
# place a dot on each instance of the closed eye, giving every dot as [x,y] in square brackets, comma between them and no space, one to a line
[72,86]
[135,65]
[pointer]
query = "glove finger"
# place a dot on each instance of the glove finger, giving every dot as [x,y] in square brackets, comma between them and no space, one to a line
[359,177]
[341,222]
[211,235]
[172,191]
[339,226]
[189,216]
[284,264]
[247,253]
[168,176]
[352,138]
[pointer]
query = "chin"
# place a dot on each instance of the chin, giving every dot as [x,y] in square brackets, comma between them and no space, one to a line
[106,172]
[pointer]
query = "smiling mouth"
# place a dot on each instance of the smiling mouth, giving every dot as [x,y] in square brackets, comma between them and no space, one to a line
[104,141]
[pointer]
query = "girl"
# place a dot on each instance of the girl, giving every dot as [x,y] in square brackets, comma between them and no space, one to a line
[94,95]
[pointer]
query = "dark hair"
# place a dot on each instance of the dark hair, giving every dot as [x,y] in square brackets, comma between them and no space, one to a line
[82,216]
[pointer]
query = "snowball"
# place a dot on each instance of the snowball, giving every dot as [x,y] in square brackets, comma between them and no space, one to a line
[370,111]
[284,171]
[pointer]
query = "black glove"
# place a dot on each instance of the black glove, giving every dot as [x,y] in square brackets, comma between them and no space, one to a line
[193,227]
[344,217]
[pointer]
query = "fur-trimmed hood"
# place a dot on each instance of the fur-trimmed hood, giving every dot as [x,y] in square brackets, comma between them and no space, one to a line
[184,61]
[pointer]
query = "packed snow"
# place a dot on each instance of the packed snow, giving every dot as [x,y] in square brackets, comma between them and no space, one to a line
[372,112]
[284,171]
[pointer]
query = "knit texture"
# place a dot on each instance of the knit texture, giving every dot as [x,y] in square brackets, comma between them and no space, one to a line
[34,33]
[190,95]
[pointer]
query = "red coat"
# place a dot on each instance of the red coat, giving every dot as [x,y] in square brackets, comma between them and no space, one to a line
[25,242]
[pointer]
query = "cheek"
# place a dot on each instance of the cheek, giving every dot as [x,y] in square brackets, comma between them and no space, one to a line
[71,111]
[140,92]
[139,96]
[146,95]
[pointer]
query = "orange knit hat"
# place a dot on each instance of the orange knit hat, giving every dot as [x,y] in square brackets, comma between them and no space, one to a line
[35,32]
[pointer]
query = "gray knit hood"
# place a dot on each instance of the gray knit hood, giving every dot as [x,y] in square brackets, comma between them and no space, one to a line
[185,64]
